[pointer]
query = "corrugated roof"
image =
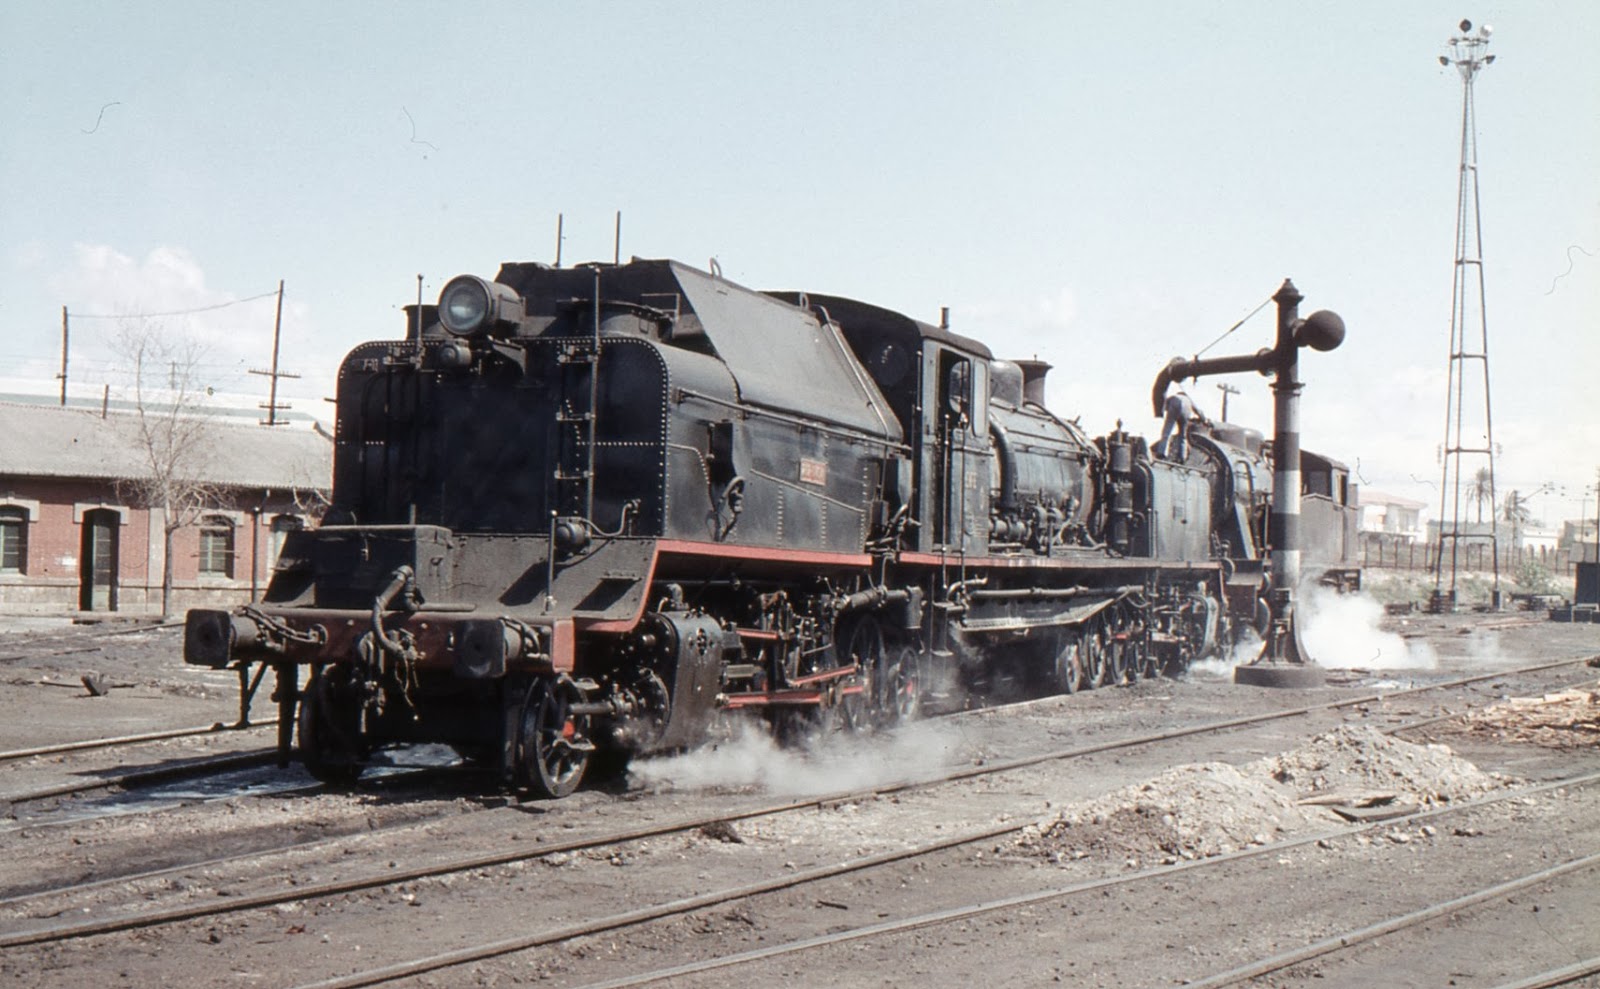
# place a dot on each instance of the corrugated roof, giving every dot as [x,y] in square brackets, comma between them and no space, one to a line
[45,441]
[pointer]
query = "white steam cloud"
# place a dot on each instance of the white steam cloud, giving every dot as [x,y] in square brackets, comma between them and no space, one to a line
[751,759]
[1341,632]
[1244,651]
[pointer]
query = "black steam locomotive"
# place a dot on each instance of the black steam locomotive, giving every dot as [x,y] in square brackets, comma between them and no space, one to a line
[579,512]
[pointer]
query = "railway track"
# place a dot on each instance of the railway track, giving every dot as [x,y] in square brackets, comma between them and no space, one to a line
[635,918]
[501,857]
[1346,940]
[119,741]
[1564,975]
[134,778]
[30,642]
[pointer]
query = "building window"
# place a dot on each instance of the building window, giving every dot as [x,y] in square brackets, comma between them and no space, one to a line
[13,540]
[282,525]
[216,547]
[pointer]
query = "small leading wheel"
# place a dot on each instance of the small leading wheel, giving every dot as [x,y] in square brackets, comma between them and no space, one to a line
[553,747]
[1069,666]
[330,729]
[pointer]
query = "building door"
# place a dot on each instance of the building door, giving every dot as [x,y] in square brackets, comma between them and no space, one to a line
[97,568]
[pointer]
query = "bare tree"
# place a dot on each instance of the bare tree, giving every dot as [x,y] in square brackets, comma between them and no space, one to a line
[173,435]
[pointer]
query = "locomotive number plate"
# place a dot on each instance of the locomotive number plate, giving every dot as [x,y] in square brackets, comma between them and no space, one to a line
[813,472]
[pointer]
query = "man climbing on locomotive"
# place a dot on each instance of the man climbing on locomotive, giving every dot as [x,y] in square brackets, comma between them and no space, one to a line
[1180,412]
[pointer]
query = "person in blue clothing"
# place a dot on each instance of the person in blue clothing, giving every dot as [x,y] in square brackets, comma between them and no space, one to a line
[1180,412]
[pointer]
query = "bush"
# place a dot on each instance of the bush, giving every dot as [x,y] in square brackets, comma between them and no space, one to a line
[1397,587]
[1534,577]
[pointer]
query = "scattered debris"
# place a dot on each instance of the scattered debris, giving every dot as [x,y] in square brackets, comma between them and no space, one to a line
[1566,719]
[722,831]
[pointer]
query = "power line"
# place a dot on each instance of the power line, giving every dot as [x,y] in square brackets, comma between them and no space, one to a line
[176,312]
[1235,326]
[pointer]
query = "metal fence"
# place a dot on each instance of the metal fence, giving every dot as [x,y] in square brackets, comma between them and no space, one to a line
[1396,555]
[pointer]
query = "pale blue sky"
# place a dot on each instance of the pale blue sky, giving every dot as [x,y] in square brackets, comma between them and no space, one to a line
[1103,185]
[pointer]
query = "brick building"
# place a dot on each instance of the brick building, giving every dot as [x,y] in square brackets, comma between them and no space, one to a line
[73,537]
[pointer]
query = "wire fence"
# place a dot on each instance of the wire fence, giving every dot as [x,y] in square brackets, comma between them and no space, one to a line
[1403,554]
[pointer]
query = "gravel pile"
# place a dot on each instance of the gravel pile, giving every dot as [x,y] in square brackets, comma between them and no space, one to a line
[1350,759]
[1187,812]
[1199,811]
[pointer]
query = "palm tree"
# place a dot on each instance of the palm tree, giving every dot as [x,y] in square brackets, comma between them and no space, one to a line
[1516,511]
[1481,490]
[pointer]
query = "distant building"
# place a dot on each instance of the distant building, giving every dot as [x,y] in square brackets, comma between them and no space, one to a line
[1578,540]
[1394,517]
[72,538]
[1534,539]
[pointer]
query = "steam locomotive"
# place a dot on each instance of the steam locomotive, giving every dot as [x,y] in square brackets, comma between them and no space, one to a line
[579,513]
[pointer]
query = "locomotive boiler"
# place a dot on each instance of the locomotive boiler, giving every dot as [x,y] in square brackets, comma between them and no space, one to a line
[580,513]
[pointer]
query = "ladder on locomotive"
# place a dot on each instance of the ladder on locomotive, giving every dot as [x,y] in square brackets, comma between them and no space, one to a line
[580,398]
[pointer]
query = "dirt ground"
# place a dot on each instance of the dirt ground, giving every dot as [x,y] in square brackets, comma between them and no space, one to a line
[1116,813]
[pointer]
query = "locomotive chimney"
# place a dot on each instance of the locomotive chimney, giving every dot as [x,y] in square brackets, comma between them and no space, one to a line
[1033,373]
[419,318]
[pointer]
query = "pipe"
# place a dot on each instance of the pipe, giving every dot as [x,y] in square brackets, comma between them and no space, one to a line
[400,581]
[1033,593]
[1008,462]
[1178,369]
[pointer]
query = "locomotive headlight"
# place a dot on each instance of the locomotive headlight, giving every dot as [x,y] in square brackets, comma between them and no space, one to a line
[469,305]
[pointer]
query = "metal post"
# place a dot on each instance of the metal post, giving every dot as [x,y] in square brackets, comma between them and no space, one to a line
[1280,662]
[255,554]
[288,697]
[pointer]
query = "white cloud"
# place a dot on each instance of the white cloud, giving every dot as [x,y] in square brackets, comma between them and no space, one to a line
[169,289]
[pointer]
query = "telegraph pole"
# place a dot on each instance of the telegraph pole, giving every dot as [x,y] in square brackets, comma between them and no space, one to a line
[271,404]
[1226,390]
[63,374]
[1464,436]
